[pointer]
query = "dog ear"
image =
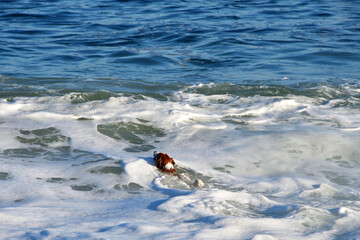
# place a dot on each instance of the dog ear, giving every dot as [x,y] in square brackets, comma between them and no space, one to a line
[160,160]
[173,161]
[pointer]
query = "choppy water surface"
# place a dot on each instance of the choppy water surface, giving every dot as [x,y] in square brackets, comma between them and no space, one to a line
[107,44]
[260,100]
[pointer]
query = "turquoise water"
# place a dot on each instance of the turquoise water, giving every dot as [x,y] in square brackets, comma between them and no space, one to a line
[258,99]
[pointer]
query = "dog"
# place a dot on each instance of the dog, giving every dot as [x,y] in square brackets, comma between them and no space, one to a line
[164,162]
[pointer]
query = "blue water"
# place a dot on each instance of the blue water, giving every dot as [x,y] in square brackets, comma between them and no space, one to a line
[133,45]
[260,100]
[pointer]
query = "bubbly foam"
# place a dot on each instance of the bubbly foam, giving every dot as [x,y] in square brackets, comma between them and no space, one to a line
[269,164]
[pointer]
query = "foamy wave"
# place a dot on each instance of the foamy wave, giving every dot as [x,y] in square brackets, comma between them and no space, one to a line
[265,161]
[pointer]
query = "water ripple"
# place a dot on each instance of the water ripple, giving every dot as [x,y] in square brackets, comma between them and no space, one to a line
[196,41]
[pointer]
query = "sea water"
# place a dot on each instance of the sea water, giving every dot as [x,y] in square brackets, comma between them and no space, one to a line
[257,99]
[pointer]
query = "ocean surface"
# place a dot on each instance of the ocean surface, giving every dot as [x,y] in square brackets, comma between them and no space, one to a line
[258,99]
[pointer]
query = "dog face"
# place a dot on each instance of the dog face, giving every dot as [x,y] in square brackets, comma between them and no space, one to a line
[163,161]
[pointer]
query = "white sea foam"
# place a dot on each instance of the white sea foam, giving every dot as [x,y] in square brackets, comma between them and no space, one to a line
[273,168]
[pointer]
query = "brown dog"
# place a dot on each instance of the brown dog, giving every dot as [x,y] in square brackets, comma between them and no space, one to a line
[164,162]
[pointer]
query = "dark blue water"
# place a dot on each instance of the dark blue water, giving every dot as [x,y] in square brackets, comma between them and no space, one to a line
[142,46]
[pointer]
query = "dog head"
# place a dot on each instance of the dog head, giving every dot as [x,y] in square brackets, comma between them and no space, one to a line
[164,161]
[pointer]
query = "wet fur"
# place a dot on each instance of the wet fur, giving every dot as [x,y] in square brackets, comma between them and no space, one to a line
[161,159]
